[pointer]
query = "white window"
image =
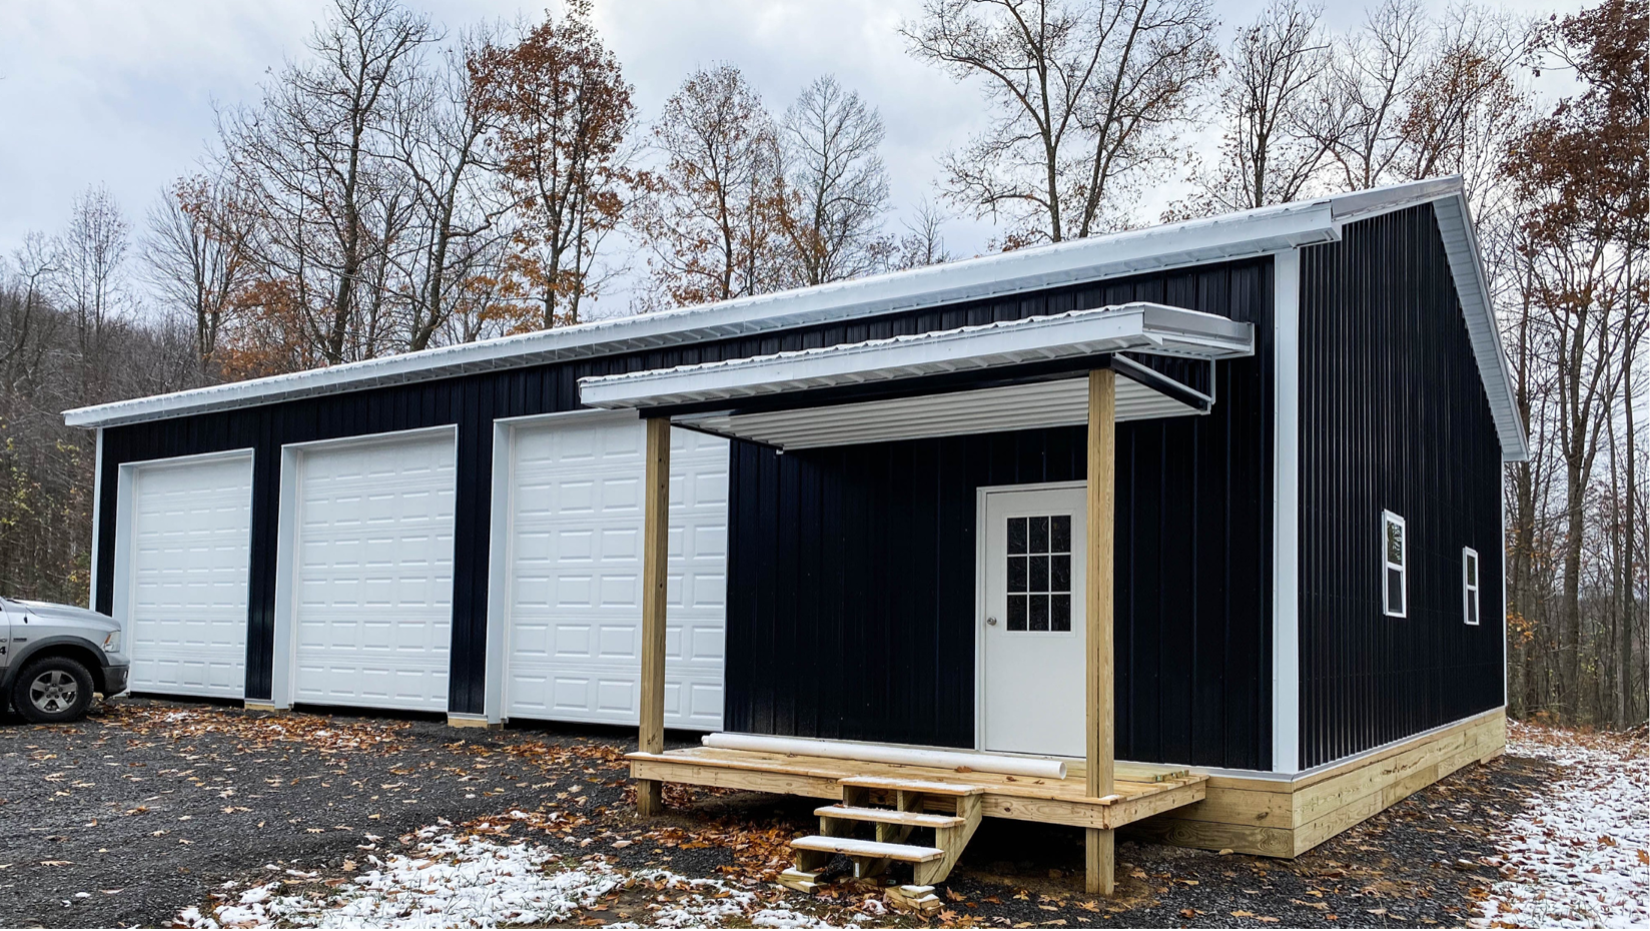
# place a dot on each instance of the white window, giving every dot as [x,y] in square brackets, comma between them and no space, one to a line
[1469,585]
[1395,550]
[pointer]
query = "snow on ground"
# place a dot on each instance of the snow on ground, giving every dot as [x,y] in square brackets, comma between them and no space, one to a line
[455,881]
[1579,856]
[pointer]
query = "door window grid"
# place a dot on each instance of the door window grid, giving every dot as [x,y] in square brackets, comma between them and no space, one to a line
[1039,573]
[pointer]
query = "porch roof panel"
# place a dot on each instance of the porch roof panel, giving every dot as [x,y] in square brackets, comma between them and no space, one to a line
[1139,327]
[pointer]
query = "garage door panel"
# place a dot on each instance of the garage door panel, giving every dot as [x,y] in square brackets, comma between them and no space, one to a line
[375,574]
[575,573]
[189,549]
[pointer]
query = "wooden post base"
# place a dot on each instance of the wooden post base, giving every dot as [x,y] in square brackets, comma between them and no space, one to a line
[649,797]
[1101,861]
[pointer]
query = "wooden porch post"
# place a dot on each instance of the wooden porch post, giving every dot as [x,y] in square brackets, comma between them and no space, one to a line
[655,559]
[1102,494]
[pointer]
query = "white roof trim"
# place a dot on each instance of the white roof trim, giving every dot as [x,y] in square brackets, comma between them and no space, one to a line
[1238,235]
[1138,327]
[1251,233]
[1472,287]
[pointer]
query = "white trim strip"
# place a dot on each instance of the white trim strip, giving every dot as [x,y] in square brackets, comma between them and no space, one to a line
[1286,279]
[97,519]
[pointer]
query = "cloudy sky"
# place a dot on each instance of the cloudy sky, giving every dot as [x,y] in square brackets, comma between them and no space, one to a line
[122,92]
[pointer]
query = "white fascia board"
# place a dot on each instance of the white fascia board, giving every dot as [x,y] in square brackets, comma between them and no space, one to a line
[1196,242]
[1141,327]
[1472,286]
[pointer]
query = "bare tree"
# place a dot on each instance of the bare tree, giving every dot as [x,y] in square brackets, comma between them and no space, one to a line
[87,261]
[924,240]
[330,206]
[837,186]
[438,136]
[564,117]
[1360,115]
[1084,93]
[25,312]
[1267,155]
[199,252]
[711,215]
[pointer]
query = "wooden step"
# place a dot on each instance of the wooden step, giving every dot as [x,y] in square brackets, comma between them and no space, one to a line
[914,819]
[912,785]
[851,847]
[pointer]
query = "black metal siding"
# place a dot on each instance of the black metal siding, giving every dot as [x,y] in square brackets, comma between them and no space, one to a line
[1393,416]
[851,570]
[472,402]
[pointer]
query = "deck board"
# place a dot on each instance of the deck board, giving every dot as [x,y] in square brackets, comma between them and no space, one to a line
[1140,790]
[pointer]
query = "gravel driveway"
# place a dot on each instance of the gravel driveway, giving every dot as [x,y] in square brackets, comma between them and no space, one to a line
[149,807]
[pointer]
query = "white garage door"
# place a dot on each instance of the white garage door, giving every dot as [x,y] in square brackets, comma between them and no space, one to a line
[372,594]
[576,566]
[188,552]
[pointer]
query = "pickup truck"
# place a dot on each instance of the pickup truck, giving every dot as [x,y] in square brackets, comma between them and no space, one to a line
[53,657]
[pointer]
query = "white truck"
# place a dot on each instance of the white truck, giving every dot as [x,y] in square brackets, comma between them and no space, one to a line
[54,657]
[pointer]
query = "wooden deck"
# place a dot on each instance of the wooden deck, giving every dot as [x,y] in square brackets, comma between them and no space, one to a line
[1140,790]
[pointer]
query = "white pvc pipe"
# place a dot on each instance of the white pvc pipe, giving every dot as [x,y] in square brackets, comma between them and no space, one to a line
[1033,767]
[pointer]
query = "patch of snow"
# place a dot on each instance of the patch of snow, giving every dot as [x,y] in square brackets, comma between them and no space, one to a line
[1579,856]
[472,882]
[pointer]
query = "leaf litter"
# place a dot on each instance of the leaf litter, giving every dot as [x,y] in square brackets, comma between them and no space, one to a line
[1578,856]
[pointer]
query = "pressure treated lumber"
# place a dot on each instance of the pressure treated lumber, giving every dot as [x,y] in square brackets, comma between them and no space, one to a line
[853,847]
[655,576]
[916,819]
[1100,843]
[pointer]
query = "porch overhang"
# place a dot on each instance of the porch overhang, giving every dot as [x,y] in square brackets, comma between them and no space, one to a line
[1014,375]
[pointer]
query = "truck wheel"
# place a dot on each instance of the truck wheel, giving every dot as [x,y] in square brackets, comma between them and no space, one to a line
[53,690]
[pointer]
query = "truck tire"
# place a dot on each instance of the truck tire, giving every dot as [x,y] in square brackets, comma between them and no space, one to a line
[52,690]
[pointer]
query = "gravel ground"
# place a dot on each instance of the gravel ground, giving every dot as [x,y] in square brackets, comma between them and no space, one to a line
[150,807]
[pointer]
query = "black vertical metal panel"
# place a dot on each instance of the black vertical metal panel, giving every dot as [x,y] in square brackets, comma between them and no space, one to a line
[851,588]
[1394,417]
[824,511]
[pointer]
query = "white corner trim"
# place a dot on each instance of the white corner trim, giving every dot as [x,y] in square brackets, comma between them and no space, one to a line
[498,575]
[1502,624]
[97,518]
[285,648]
[1286,279]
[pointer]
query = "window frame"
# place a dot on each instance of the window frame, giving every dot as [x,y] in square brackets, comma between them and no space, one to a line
[1471,584]
[1388,519]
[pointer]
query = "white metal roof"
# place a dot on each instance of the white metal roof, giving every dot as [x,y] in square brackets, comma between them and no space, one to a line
[1237,235]
[1140,327]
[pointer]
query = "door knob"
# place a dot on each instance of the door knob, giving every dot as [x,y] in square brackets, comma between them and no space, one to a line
[992,621]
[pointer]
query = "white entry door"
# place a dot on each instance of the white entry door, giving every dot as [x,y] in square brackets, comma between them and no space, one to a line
[575,572]
[373,588]
[188,556]
[1033,633]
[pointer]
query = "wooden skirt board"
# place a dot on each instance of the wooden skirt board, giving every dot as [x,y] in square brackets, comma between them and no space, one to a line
[1275,818]
[1278,818]
[1140,791]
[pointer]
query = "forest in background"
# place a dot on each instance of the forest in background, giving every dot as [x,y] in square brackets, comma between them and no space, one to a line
[397,187]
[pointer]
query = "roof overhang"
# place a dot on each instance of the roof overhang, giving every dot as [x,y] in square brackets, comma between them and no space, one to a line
[1223,238]
[1014,375]
[1214,239]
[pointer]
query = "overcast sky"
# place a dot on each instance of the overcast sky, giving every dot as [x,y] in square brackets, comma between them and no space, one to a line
[121,92]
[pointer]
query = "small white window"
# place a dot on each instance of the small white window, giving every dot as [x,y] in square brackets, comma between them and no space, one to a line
[1394,547]
[1469,585]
